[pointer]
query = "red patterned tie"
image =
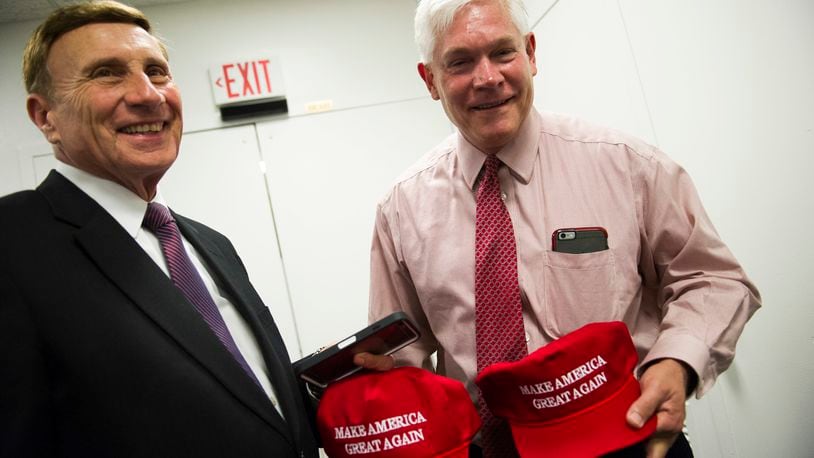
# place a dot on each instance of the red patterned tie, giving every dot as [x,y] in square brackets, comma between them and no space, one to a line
[499,332]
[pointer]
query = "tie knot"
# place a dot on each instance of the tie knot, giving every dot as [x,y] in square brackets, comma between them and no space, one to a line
[156,216]
[491,165]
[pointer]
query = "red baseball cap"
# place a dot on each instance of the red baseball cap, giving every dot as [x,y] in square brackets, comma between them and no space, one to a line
[570,397]
[404,412]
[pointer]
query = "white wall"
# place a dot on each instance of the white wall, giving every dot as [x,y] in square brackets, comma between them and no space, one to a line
[17,134]
[726,88]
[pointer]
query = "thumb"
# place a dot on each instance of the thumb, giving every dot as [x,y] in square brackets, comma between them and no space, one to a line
[374,362]
[643,408]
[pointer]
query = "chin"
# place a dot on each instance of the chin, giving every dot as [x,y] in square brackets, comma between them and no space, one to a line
[499,139]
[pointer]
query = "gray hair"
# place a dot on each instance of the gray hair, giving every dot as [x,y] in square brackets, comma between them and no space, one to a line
[433,17]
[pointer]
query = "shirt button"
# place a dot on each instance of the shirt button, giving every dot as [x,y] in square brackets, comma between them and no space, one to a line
[528,337]
[503,196]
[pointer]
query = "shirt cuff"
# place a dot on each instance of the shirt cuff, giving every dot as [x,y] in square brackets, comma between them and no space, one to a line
[690,351]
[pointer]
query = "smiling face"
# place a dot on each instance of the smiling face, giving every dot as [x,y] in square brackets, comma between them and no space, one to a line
[482,71]
[114,111]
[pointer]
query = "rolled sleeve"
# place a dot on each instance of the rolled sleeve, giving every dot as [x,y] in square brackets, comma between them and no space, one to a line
[704,295]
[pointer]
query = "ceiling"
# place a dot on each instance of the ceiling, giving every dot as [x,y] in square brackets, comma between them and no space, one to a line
[27,10]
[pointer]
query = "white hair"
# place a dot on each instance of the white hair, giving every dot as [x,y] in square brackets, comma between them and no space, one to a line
[433,17]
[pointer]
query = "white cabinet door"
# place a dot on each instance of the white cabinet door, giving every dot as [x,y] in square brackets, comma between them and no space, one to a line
[326,172]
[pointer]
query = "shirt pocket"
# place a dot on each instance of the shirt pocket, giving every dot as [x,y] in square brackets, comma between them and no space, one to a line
[579,289]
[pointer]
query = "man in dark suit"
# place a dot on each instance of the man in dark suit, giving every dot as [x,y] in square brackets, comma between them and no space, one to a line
[103,349]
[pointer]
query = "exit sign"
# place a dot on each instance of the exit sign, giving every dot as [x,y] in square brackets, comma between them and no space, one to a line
[243,81]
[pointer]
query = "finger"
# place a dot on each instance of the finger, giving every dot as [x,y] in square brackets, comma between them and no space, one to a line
[374,362]
[663,387]
[644,407]
[670,419]
[659,445]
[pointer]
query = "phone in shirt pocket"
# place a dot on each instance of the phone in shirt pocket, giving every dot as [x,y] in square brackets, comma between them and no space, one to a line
[579,240]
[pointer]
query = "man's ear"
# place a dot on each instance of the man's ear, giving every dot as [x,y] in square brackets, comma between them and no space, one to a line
[531,46]
[426,74]
[39,111]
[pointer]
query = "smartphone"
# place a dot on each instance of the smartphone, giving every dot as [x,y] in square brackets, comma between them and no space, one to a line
[579,240]
[383,337]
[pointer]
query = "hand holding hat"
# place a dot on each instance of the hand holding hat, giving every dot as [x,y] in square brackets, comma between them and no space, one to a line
[664,389]
[570,398]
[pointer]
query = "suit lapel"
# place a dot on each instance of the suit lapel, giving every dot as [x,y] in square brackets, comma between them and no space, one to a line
[121,259]
[231,277]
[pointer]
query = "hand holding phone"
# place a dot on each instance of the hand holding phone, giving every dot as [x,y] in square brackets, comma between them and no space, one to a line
[383,337]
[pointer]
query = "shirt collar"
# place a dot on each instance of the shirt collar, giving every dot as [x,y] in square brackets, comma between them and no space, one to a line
[519,155]
[125,207]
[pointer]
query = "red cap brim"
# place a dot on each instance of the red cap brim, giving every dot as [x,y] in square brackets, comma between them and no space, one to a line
[589,433]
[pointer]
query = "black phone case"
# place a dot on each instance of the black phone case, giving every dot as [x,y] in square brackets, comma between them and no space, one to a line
[585,240]
[383,337]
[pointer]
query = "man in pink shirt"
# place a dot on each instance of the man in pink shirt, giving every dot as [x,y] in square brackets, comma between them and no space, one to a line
[666,274]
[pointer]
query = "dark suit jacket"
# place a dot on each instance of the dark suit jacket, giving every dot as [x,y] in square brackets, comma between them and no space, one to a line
[100,355]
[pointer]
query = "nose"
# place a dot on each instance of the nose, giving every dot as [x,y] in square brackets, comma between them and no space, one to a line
[142,92]
[487,74]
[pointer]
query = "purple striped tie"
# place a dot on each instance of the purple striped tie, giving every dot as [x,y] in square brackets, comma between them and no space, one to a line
[185,277]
